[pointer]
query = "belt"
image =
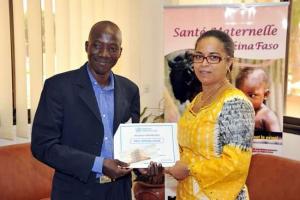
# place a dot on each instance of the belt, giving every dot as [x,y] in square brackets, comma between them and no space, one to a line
[104,179]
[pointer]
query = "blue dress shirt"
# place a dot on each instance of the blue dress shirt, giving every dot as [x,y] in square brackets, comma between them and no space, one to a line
[105,101]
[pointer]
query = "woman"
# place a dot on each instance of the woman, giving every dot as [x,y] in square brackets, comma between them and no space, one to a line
[216,130]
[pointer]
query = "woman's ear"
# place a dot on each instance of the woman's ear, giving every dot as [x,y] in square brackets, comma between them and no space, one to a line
[228,68]
[266,94]
[230,61]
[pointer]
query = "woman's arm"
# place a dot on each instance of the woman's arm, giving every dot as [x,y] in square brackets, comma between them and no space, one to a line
[227,172]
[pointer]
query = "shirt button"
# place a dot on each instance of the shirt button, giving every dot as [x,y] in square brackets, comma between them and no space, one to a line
[104,115]
[105,138]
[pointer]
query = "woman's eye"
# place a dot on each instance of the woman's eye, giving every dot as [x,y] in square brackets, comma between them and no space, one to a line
[198,57]
[214,57]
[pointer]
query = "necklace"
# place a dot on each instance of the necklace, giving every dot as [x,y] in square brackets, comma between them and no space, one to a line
[204,99]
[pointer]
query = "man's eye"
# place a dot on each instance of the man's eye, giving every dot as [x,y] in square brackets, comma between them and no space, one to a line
[252,95]
[113,49]
[97,46]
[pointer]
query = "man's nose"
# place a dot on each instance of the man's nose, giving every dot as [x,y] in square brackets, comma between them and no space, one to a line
[104,52]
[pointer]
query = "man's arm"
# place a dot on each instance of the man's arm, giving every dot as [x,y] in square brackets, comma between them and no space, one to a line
[47,132]
[135,106]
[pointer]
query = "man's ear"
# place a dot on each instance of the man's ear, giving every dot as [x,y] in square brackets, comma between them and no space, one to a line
[121,49]
[266,94]
[86,46]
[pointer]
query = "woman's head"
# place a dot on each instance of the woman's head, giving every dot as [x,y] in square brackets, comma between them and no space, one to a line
[213,56]
[222,37]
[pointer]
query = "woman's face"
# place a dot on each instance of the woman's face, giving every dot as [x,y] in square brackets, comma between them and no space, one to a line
[213,50]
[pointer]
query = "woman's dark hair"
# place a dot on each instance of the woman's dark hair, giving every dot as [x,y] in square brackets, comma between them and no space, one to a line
[227,42]
[222,37]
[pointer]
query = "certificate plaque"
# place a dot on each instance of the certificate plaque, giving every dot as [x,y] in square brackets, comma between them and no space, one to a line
[138,144]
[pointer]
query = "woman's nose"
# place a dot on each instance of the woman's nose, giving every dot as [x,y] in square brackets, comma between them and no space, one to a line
[205,61]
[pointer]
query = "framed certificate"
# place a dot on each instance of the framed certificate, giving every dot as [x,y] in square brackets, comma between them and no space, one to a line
[138,144]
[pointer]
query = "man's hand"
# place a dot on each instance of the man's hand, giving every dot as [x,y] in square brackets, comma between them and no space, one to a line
[179,171]
[114,168]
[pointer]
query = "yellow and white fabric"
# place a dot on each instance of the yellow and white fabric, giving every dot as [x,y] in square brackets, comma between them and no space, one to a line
[215,143]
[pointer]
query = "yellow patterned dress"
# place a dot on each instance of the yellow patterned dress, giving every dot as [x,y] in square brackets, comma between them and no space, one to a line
[215,143]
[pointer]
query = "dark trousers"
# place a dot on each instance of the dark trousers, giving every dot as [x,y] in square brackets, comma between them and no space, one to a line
[118,190]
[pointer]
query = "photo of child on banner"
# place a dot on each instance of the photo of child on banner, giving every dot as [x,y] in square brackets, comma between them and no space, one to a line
[254,80]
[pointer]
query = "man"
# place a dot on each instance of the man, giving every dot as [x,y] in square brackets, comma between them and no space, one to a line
[78,113]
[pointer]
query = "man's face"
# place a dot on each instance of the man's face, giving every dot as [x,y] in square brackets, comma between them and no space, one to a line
[255,90]
[103,49]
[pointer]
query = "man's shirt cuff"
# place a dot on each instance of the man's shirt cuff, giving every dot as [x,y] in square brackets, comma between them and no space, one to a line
[98,164]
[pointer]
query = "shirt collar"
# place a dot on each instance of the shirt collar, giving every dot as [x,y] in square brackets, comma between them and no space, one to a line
[111,84]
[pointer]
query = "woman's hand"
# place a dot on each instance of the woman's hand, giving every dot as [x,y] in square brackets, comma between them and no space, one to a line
[179,171]
[153,174]
[152,170]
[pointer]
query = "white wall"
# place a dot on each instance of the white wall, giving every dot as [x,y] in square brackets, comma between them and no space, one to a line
[291,146]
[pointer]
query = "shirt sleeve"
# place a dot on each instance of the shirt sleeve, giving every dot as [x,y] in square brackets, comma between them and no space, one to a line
[98,165]
[223,176]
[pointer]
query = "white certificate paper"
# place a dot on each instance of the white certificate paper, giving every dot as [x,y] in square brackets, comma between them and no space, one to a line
[138,144]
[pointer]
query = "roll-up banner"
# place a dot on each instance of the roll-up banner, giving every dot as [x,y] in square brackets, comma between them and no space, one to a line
[259,33]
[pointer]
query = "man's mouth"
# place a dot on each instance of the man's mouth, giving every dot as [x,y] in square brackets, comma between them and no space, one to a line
[102,62]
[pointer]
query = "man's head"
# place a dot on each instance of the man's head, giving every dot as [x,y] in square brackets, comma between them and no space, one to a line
[254,82]
[103,47]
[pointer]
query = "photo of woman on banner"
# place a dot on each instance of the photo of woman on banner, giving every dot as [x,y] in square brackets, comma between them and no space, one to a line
[254,82]
[215,131]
